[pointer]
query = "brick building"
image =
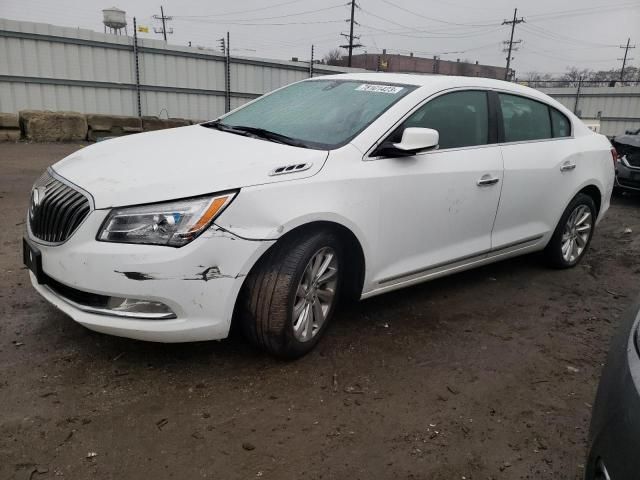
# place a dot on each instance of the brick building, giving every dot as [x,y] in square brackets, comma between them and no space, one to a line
[410,64]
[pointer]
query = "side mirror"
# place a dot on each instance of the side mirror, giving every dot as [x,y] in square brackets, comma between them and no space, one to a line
[414,140]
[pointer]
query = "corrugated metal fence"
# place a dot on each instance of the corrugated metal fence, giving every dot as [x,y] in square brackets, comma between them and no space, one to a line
[617,108]
[48,67]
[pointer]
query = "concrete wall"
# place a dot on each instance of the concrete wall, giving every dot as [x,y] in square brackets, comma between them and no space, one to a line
[46,67]
[617,108]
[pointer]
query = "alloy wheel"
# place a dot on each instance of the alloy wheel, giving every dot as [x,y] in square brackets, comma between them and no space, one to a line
[576,233]
[315,294]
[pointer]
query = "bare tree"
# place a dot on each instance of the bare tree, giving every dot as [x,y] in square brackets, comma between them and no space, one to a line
[536,79]
[333,57]
[573,76]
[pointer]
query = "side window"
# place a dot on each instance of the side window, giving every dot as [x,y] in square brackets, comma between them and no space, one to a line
[560,124]
[461,118]
[524,119]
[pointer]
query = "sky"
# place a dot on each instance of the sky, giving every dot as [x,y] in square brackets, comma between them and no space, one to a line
[555,34]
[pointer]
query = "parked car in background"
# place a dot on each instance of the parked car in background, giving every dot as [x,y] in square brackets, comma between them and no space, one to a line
[348,185]
[615,423]
[628,161]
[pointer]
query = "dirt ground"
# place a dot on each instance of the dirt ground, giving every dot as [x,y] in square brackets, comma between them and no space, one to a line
[488,374]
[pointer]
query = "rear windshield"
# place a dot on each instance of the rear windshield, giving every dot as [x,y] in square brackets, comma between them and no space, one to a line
[324,114]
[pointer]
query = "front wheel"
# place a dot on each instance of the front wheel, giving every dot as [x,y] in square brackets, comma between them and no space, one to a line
[573,233]
[289,297]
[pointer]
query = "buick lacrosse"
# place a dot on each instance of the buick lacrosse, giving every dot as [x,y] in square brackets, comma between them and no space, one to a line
[344,186]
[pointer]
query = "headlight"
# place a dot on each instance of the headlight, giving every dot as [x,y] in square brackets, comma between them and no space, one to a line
[172,223]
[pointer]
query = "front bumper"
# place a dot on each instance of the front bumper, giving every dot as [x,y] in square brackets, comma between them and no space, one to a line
[615,423]
[198,282]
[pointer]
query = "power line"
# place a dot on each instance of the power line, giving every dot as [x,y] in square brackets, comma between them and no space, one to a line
[513,23]
[582,11]
[624,60]
[437,19]
[402,34]
[555,36]
[218,22]
[404,27]
[573,60]
[340,5]
[235,12]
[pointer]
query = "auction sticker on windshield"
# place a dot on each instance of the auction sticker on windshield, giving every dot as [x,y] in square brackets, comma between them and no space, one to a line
[368,87]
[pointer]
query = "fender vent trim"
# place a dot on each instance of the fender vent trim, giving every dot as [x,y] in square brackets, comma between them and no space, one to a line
[294,168]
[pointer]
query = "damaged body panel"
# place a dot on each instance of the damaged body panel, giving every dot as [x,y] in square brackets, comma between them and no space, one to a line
[628,162]
[198,284]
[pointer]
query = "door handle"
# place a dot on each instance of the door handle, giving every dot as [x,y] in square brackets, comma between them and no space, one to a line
[566,167]
[487,180]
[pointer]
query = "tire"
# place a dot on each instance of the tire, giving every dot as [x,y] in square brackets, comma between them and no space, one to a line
[568,231]
[270,300]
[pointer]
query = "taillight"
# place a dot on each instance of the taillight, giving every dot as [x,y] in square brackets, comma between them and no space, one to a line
[614,155]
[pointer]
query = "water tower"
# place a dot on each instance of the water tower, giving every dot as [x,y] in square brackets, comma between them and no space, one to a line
[115,20]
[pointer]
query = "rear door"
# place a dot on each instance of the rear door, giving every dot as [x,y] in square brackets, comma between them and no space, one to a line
[539,170]
[438,207]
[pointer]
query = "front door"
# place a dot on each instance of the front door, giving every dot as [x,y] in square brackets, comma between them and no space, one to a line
[438,207]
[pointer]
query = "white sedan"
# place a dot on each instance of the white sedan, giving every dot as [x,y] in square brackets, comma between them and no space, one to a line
[337,186]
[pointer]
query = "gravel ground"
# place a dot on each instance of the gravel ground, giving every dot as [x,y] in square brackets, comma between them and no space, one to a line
[487,374]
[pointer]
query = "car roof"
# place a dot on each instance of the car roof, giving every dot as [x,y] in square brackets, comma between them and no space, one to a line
[436,83]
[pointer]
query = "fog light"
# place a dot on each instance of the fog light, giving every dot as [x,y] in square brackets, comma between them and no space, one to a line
[146,309]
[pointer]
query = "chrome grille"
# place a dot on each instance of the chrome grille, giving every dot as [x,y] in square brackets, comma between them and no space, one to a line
[56,210]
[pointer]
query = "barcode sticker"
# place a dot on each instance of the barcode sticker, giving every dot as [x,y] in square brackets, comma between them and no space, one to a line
[369,87]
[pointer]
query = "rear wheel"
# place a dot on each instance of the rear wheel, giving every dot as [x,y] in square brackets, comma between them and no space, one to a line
[573,233]
[289,297]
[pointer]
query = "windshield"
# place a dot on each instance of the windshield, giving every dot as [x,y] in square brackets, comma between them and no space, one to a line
[323,114]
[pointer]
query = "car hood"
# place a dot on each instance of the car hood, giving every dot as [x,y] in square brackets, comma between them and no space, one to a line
[179,163]
[630,140]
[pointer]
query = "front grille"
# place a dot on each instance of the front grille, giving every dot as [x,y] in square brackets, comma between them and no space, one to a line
[56,210]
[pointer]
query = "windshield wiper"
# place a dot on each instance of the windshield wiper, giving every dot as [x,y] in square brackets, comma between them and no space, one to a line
[256,132]
[218,125]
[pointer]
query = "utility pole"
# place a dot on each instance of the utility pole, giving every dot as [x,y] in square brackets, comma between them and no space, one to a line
[226,49]
[311,64]
[624,59]
[137,66]
[353,10]
[164,19]
[513,24]
[575,105]
[351,36]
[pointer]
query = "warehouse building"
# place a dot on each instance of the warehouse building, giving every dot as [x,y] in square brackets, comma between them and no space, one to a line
[411,64]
